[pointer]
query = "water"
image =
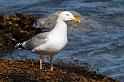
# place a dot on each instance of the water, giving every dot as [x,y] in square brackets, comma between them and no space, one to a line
[100,41]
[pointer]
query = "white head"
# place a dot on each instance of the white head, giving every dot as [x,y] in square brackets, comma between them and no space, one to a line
[68,16]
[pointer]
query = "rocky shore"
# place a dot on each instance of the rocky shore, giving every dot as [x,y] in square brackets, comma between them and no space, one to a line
[28,71]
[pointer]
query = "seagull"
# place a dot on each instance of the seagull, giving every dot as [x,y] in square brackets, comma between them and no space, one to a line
[52,42]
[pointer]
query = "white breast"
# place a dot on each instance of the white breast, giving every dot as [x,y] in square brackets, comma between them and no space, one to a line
[57,43]
[56,40]
[53,44]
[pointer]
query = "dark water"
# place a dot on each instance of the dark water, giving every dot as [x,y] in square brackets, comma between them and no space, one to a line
[100,43]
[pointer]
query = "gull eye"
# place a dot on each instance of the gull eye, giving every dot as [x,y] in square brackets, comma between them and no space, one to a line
[67,14]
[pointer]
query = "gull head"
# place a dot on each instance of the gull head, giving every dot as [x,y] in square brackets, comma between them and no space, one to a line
[68,16]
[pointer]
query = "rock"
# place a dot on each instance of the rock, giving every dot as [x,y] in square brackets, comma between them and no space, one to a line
[21,71]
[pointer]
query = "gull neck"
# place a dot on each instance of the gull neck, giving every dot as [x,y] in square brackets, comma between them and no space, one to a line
[60,28]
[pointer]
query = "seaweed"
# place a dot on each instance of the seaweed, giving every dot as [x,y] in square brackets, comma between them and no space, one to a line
[28,71]
[16,28]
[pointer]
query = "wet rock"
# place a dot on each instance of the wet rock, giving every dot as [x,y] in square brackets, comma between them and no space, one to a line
[16,28]
[7,43]
[29,71]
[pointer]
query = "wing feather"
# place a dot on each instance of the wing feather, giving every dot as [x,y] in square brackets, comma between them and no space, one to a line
[35,41]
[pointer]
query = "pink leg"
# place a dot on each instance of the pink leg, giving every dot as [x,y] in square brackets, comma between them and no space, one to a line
[41,62]
[51,65]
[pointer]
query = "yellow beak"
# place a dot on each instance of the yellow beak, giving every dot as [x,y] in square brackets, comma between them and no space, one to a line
[76,20]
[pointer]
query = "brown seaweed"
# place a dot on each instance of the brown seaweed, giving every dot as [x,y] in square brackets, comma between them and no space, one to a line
[28,71]
[7,43]
[19,27]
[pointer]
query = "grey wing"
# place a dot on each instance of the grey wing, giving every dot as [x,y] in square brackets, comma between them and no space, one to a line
[35,41]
